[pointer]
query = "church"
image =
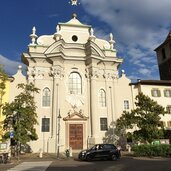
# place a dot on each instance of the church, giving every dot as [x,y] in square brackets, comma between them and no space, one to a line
[82,91]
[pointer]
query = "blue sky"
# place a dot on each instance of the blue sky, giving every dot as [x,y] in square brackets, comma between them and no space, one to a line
[138,26]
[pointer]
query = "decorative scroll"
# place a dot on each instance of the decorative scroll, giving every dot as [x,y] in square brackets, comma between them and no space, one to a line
[57,72]
[110,75]
[35,73]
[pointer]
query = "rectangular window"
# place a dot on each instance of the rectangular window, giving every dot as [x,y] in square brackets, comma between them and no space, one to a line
[168,109]
[167,92]
[169,124]
[155,93]
[163,123]
[103,124]
[45,124]
[126,104]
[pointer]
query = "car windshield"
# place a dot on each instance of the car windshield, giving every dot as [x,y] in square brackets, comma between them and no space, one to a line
[103,146]
[97,147]
[94,147]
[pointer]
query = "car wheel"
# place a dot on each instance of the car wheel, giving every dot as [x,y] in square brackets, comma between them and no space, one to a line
[89,157]
[114,157]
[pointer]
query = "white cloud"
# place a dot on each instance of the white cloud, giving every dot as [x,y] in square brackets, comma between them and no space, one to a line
[10,66]
[139,27]
[53,15]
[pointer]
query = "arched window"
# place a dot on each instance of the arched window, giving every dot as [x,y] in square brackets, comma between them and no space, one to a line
[102,98]
[75,83]
[46,97]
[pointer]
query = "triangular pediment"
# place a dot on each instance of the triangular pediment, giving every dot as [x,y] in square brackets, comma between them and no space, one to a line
[75,116]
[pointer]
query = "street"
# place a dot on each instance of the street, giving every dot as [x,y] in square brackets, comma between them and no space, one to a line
[126,163]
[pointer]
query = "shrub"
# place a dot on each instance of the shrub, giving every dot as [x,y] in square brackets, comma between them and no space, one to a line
[152,150]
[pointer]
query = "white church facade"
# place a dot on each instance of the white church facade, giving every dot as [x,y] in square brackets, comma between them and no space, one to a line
[81,90]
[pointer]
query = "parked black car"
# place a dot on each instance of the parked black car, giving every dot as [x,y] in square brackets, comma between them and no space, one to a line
[100,151]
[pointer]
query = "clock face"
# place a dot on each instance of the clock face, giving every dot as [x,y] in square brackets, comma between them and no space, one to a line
[75,100]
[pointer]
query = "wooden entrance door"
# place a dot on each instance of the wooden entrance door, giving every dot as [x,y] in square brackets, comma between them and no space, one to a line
[76,136]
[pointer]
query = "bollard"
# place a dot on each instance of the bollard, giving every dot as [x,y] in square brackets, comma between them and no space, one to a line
[129,148]
[70,151]
[41,153]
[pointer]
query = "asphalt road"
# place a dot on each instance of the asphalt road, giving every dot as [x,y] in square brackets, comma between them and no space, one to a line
[124,164]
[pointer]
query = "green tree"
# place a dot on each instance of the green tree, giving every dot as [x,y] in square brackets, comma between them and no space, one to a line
[3,79]
[144,120]
[20,115]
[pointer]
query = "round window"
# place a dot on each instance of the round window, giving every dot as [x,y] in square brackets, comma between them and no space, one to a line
[74,38]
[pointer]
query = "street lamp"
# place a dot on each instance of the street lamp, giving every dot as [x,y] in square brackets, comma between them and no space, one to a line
[59,118]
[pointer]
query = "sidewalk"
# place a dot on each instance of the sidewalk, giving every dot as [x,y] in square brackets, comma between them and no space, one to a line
[33,157]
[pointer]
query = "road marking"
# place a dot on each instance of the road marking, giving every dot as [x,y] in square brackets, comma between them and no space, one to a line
[32,166]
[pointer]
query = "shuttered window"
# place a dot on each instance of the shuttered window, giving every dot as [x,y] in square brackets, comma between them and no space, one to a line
[155,93]
[168,109]
[167,92]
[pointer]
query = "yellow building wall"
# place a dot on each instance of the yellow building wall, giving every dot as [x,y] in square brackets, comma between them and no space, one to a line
[3,99]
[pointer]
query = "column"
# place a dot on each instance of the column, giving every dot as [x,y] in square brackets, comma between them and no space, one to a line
[94,104]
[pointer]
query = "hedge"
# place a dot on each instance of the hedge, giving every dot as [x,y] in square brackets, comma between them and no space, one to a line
[152,150]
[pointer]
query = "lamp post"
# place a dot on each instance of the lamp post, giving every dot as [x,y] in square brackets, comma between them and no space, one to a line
[16,120]
[58,118]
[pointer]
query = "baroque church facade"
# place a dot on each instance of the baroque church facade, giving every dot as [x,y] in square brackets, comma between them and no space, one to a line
[81,91]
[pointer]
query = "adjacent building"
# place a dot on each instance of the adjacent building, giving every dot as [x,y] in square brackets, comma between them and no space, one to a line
[164,58]
[4,97]
[159,91]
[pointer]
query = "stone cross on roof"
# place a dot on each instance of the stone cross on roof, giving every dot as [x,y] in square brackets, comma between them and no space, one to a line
[74,2]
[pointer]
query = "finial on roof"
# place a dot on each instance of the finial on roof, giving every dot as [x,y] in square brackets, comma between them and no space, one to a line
[74,15]
[33,36]
[19,67]
[123,71]
[92,37]
[91,32]
[57,28]
[111,41]
[111,36]
[19,71]
[57,35]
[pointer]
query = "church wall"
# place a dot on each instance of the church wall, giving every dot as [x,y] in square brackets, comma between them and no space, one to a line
[77,50]
[123,93]
[18,79]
